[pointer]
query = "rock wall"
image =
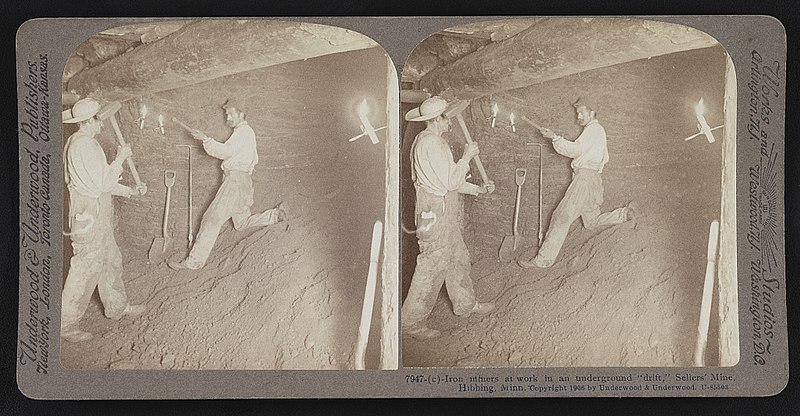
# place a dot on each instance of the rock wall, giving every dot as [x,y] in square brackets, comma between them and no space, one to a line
[302,112]
[647,109]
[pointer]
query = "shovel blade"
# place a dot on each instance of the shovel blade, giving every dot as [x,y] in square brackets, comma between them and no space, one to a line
[507,248]
[157,252]
[519,176]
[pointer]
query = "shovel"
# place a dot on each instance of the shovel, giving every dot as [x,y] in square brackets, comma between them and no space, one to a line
[159,246]
[510,243]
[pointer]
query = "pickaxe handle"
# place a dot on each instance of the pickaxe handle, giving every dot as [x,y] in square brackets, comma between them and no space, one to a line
[185,127]
[526,119]
[134,172]
[477,159]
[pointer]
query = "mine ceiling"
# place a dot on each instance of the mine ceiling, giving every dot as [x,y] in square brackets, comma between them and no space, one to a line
[124,62]
[474,60]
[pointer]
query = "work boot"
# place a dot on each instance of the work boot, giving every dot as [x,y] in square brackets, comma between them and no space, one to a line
[631,211]
[76,335]
[421,332]
[130,310]
[180,265]
[134,310]
[281,212]
[482,308]
[535,262]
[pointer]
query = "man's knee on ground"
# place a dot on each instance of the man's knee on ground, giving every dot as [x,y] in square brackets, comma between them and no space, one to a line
[238,225]
[589,223]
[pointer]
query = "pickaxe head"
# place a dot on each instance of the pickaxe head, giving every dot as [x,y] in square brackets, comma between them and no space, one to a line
[108,110]
[456,108]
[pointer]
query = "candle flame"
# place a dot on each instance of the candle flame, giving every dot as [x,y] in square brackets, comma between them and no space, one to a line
[363,108]
[143,110]
[700,108]
[495,109]
[511,116]
[160,119]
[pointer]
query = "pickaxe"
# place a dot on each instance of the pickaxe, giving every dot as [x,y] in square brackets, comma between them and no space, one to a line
[455,110]
[531,122]
[185,127]
[109,112]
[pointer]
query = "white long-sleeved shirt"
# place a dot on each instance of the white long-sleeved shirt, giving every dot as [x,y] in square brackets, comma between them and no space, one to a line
[434,169]
[589,150]
[238,152]
[86,170]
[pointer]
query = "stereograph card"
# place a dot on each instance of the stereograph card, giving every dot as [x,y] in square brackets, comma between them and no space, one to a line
[316,207]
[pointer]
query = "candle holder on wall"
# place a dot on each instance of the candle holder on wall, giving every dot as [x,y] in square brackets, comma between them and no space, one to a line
[702,125]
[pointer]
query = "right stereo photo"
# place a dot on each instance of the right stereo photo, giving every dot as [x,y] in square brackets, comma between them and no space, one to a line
[568,196]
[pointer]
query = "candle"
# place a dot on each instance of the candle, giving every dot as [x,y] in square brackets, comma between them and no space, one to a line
[699,109]
[161,123]
[363,110]
[495,109]
[142,115]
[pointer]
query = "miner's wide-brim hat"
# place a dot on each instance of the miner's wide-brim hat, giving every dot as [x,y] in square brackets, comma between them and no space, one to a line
[429,109]
[82,110]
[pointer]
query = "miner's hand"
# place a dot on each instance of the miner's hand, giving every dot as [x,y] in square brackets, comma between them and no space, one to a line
[548,134]
[489,186]
[470,151]
[123,152]
[139,190]
[199,135]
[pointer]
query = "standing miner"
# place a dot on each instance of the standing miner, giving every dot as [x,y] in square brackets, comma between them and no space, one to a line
[443,257]
[235,195]
[96,260]
[584,196]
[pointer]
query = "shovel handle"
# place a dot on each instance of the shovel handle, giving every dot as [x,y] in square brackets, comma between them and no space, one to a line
[516,209]
[477,159]
[166,212]
[169,180]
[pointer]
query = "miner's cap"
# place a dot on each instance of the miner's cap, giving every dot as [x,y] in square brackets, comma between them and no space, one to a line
[233,103]
[585,102]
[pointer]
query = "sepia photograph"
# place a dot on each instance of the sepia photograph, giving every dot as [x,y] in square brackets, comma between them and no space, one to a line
[568,196]
[226,198]
[342,207]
